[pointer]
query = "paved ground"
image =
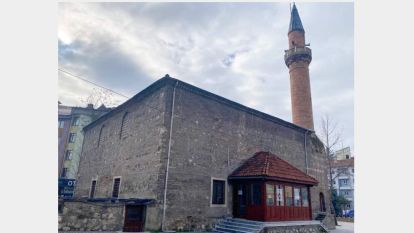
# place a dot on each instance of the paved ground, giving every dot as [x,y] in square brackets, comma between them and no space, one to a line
[344,227]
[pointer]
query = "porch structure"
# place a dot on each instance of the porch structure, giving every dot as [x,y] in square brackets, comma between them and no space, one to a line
[267,188]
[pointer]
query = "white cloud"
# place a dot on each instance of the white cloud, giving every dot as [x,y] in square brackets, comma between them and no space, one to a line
[232,49]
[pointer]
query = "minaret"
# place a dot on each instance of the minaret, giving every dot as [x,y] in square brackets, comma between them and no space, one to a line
[297,59]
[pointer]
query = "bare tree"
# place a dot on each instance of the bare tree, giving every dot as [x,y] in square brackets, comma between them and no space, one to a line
[98,97]
[330,138]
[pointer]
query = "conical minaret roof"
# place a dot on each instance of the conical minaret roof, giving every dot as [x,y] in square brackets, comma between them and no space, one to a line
[295,22]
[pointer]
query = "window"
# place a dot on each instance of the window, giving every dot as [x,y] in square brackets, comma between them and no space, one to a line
[348,206]
[76,121]
[93,187]
[334,182]
[61,123]
[68,155]
[270,194]
[343,182]
[124,126]
[218,192]
[322,207]
[296,192]
[279,195]
[115,189]
[100,135]
[72,137]
[305,198]
[256,194]
[347,156]
[352,170]
[289,195]
[64,171]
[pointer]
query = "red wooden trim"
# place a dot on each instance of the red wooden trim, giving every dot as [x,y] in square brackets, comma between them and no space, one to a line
[310,204]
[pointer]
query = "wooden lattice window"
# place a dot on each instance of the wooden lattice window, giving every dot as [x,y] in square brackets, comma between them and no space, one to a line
[115,189]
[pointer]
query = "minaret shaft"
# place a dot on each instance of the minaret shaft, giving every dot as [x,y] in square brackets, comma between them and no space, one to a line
[298,58]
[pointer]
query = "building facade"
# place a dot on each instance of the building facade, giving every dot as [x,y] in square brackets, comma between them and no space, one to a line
[171,143]
[343,179]
[176,157]
[70,136]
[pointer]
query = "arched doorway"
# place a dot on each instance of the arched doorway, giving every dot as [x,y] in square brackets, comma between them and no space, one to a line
[322,206]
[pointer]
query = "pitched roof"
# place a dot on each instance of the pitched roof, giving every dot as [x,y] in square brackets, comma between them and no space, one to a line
[167,80]
[295,22]
[267,165]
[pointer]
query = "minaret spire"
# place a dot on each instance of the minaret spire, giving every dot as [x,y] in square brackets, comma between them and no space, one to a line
[297,59]
[295,22]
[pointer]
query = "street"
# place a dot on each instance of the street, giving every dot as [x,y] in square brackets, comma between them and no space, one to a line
[344,227]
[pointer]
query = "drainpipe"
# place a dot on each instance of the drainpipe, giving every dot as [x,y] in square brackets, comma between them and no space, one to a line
[168,160]
[306,151]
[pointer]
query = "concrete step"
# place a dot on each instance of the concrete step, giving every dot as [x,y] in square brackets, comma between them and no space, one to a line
[243,225]
[229,229]
[244,221]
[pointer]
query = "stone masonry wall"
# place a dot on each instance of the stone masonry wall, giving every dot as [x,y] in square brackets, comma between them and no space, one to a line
[211,139]
[135,156]
[295,229]
[78,216]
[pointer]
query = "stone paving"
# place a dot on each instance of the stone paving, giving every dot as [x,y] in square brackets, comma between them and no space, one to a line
[344,227]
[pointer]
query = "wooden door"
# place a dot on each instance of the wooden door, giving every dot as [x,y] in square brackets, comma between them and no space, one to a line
[240,200]
[134,218]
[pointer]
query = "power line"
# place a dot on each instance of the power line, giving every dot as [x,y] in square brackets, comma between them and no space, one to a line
[85,80]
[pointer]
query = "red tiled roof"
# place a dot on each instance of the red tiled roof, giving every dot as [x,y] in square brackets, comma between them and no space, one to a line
[265,164]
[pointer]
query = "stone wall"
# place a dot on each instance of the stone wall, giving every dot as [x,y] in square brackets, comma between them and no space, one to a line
[295,229]
[211,139]
[135,156]
[78,216]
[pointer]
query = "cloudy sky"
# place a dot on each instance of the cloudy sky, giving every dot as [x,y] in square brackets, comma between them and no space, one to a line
[231,49]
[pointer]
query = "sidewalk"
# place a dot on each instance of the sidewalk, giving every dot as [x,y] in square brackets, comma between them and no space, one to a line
[344,227]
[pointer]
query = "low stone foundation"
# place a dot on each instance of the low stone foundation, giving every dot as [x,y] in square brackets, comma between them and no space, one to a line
[294,229]
[79,216]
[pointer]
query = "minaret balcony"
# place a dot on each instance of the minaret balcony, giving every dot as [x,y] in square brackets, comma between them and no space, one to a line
[298,54]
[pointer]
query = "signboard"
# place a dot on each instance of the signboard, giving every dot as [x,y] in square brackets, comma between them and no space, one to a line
[66,187]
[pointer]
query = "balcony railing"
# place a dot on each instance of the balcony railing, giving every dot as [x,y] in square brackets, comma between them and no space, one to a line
[298,53]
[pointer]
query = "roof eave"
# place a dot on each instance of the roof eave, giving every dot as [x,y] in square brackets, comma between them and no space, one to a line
[273,178]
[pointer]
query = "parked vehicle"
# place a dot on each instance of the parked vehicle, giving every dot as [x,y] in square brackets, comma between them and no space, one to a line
[349,214]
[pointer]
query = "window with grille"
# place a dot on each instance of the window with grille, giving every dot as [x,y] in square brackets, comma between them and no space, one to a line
[93,187]
[115,190]
[100,135]
[68,155]
[61,123]
[72,137]
[218,194]
[124,126]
